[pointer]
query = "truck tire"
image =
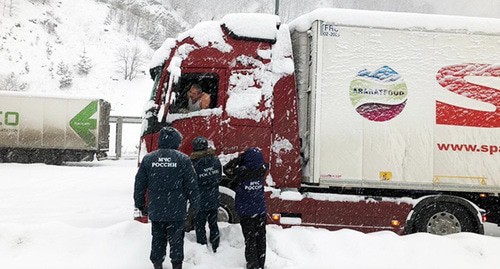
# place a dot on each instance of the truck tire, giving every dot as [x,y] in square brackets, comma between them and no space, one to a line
[52,157]
[227,209]
[3,154]
[18,156]
[444,218]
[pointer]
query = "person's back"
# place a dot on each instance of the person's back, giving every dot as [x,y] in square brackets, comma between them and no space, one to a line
[167,175]
[170,181]
[209,171]
[208,168]
[248,172]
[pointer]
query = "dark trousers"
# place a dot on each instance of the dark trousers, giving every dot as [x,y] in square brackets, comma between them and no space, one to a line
[171,232]
[254,231]
[201,235]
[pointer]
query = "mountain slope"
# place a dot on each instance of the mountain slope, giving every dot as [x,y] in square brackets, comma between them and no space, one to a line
[40,38]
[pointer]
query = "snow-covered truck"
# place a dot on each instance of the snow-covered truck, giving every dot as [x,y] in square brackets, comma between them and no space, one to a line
[369,120]
[52,129]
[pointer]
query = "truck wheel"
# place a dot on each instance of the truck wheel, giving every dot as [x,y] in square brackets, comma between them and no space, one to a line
[3,154]
[53,160]
[227,209]
[444,218]
[18,156]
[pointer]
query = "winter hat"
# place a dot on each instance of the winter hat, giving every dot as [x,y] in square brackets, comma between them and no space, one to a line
[169,138]
[253,158]
[200,143]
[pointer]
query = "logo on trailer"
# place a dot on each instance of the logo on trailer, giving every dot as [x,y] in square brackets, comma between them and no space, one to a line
[454,79]
[379,95]
[83,124]
[9,118]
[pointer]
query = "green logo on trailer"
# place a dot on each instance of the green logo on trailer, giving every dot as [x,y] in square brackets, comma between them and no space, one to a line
[9,119]
[82,123]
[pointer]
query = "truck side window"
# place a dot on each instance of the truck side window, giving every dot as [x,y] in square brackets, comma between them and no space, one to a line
[194,91]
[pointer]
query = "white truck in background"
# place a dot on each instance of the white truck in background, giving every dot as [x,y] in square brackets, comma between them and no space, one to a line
[39,128]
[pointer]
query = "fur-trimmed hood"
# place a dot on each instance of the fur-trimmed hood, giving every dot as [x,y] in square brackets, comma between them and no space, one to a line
[201,154]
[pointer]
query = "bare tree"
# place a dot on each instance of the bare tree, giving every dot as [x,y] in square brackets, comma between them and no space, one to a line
[129,59]
[11,83]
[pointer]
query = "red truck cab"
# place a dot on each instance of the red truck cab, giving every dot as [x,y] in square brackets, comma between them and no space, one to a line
[251,104]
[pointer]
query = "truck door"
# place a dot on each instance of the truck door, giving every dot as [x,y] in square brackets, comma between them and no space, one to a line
[248,113]
[203,122]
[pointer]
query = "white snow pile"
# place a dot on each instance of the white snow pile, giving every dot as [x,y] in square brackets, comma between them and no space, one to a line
[79,215]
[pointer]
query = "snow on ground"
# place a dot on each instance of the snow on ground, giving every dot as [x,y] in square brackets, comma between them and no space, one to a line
[79,215]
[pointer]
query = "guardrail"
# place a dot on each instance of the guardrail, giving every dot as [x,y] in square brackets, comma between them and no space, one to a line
[120,120]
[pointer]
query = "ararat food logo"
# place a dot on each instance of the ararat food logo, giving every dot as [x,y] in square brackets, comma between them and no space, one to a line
[379,95]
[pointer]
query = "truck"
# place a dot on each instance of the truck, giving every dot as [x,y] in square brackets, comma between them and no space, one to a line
[369,120]
[52,129]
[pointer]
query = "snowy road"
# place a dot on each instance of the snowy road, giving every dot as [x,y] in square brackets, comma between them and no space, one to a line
[79,216]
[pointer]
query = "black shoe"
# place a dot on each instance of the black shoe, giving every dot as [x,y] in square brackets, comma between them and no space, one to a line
[158,265]
[177,265]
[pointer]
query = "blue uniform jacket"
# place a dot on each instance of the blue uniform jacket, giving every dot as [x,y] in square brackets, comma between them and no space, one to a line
[169,178]
[209,171]
[248,172]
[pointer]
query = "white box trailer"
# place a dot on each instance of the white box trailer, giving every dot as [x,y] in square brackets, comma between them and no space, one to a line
[387,106]
[36,128]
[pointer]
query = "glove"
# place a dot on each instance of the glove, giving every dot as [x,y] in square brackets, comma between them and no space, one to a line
[141,215]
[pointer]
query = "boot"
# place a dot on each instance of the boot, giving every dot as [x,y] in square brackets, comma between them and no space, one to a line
[177,265]
[158,265]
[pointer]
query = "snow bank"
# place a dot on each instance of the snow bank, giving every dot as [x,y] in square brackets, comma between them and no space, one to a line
[79,215]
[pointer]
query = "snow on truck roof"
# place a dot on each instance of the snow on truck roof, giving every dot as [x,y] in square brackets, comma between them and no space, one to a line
[252,25]
[396,20]
[260,26]
[256,26]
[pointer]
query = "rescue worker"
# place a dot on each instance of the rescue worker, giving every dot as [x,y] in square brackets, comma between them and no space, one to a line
[248,171]
[168,176]
[209,171]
